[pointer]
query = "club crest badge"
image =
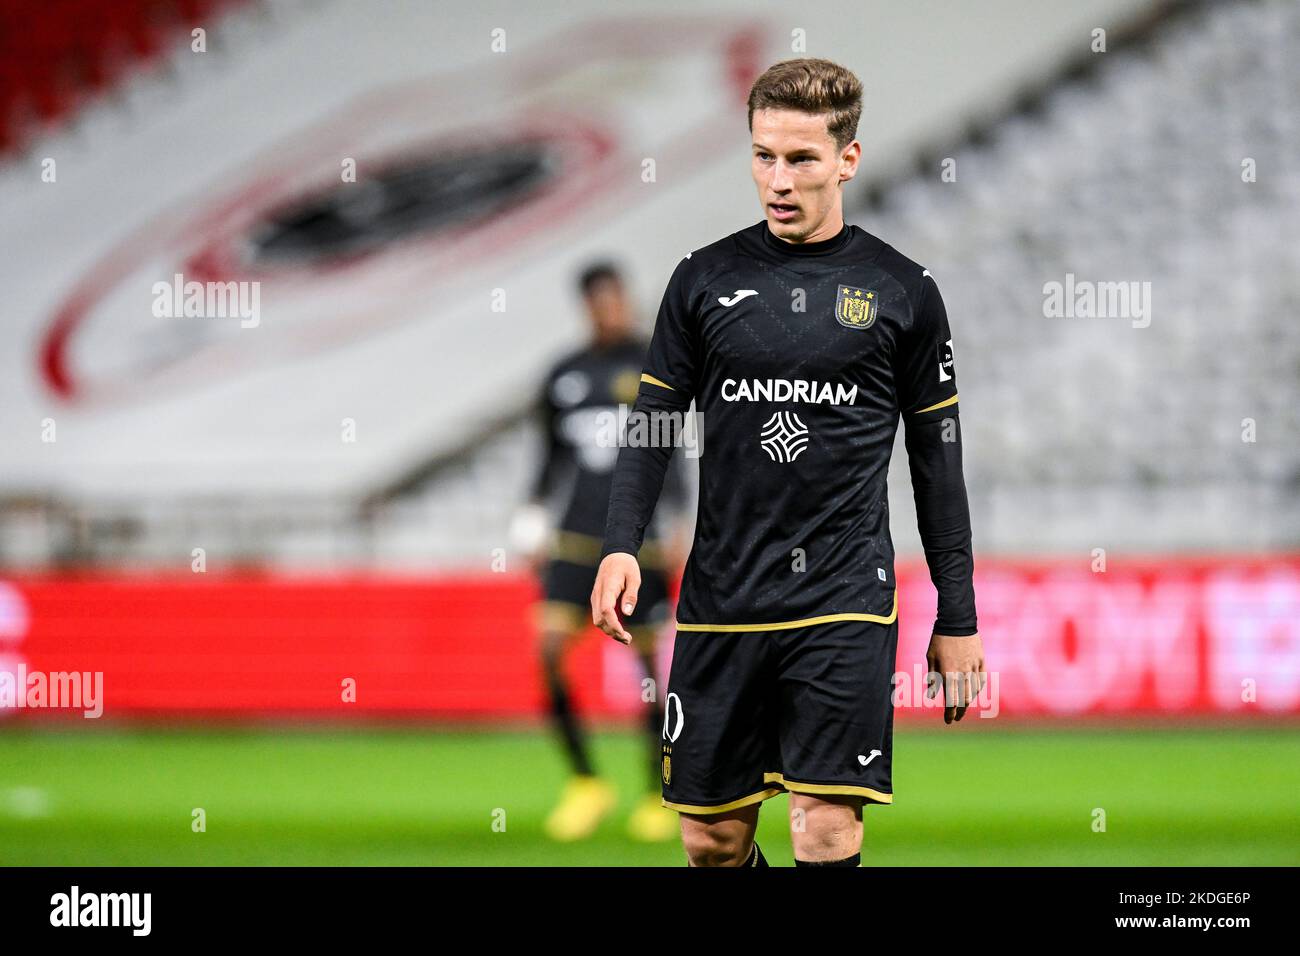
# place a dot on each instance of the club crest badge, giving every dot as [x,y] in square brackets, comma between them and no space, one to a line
[856,308]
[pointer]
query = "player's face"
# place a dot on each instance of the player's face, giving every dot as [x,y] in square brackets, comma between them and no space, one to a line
[798,171]
[608,308]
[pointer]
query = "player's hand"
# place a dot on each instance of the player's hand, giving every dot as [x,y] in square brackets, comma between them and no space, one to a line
[960,663]
[617,582]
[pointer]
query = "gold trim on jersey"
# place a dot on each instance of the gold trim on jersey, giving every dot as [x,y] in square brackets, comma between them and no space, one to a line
[814,789]
[802,622]
[944,404]
[651,380]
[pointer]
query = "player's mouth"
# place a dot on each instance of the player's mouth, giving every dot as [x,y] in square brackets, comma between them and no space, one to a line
[783,211]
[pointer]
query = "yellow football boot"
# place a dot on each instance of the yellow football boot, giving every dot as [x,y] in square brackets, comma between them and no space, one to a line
[586,801]
[652,822]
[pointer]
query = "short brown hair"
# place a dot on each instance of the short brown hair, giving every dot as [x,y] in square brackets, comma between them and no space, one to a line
[811,86]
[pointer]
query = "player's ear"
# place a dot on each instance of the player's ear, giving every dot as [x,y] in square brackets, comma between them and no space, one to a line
[849,160]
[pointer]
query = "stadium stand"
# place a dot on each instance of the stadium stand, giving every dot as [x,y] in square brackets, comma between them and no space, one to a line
[1087,431]
[1095,432]
[1076,427]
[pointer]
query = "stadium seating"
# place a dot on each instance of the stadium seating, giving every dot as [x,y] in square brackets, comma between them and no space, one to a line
[56,54]
[1080,432]
[1090,431]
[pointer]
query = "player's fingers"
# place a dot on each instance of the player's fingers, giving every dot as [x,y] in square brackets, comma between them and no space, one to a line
[606,617]
[597,590]
[610,624]
[603,594]
[616,584]
[630,590]
[963,696]
[616,630]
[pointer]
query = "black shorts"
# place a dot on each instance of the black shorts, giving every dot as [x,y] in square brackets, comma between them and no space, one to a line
[566,588]
[752,714]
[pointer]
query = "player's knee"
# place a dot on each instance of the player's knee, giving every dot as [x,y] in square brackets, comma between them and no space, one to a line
[823,830]
[825,843]
[717,845]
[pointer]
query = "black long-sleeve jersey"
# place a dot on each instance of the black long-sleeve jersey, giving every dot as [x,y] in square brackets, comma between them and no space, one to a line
[579,411]
[801,358]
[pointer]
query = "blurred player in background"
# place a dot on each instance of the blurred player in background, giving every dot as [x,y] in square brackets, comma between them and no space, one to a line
[584,386]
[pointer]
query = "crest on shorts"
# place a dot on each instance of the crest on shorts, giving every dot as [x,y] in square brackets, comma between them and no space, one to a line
[856,308]
[668,769]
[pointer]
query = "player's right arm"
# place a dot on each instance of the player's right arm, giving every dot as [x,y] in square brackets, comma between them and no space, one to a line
[663,401]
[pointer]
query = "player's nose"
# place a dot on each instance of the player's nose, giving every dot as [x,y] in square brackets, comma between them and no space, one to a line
[781,181]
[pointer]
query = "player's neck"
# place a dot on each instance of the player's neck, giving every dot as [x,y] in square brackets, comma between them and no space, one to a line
[807,247]
[832,228]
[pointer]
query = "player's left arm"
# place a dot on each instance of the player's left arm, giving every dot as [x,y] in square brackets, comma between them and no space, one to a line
[927,389]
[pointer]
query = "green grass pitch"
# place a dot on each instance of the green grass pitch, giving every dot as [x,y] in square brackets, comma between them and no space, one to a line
[429,796]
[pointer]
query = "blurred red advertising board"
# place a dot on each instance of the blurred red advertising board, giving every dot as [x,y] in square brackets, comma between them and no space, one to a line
[1208,636]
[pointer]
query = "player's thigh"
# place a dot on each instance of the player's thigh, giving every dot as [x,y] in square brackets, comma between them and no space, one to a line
[720,839]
